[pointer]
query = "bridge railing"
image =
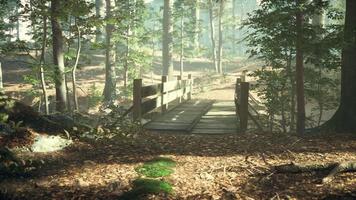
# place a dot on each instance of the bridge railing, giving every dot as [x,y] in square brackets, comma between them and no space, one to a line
[244,104]
[151,97]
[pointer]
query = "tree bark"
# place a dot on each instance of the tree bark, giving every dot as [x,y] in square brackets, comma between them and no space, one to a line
[42,62]
[181,53]
[345,117]
[99,12]
[58,56]
[196,18]
[167,41]
[220,47]
[74,69]
[110,72]
[212,35]
[300,72]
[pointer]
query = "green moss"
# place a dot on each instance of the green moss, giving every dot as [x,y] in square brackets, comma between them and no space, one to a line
[158,167]
[142,187]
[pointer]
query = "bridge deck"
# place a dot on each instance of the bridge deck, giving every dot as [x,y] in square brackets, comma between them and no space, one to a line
[198,116]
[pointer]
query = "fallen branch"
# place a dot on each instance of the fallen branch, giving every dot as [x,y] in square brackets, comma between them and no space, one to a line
[333,168]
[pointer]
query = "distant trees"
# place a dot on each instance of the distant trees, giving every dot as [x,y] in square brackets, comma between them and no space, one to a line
[285,43]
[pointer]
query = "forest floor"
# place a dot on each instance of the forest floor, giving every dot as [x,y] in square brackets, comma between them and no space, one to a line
[238,166]
[208,167]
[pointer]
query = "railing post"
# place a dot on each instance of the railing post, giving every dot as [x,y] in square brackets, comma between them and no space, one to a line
[179,79]
[243,105]
[137,100]
[190,80]
[237,96]
[1,84]
[243,76]
[164,106]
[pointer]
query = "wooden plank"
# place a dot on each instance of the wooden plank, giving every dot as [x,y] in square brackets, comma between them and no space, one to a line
[214,131]
[164,107]
[150,90]
[170,86]
[243,106]
[216,126]
[224,113]
[150,105]
[137,106]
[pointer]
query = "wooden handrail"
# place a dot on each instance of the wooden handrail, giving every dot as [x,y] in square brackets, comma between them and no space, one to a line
[242,96]
[150,97]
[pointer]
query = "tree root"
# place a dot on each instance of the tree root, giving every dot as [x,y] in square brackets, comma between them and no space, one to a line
[333,168]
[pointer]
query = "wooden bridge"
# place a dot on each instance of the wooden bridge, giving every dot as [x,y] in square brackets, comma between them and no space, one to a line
[170,106]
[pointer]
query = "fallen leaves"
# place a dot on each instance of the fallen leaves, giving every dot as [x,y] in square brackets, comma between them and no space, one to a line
[207,167]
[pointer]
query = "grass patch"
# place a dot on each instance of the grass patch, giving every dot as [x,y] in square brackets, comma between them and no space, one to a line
[158,167]
[143,187]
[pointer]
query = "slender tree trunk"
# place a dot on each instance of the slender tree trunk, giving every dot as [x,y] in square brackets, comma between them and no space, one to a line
[220,47]
[212,35]
[167,40]
[74,69]
[58,56]
[234,26]
[181,54]
[99,12]
[42,62]
[292,92]
[300,72]
[110,73]
[345,117]
[196,18]
[126,64]
[1,82]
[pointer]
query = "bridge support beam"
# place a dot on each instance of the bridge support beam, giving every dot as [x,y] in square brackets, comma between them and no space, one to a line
[137,98]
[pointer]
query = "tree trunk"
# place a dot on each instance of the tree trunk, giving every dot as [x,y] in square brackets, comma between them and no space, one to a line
[126,64]
[74,81]
[220,47]
[1,83]
[58,56]
[212,35]
[110,73]
[345,117]
[181,53]
[234,26]
[99,12]
[167,47]
[292,92]
[300,73]
[196,18]
[42,62]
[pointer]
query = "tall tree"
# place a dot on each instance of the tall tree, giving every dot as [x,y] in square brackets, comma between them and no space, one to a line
[220,43]
[167,44]
[212,35]
[196,19]
[300,70]
[58,55]
[100,12]
[110,55]
[345,117]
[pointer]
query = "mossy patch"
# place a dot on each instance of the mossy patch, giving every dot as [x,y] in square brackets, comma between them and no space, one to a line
[158,167]
[142,187]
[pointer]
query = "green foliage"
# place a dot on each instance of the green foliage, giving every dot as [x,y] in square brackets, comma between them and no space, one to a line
[158,167]
[142,187]
[95,96]
[273,40]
